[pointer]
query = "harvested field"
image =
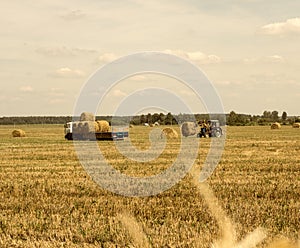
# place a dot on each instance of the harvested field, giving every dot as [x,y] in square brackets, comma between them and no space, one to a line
[48,200]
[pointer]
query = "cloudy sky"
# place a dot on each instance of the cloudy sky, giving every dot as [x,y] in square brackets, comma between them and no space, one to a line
[249,49]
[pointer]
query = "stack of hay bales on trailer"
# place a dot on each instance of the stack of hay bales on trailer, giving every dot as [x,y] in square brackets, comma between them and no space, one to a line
[18,133]
[188,129]
[87,126]
[169,132]
[275,125]
[296,125]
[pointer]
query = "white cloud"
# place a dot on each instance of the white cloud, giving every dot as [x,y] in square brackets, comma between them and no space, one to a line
[118,93]
[265,59]
[67,72]
[203,58]
[187,93]
[197,56]
[280,28]
[138,78]
[276,59]
[56,101]
[107,57]
[26,88]
[58,51]
[73,15]
[224,83]
[15,99]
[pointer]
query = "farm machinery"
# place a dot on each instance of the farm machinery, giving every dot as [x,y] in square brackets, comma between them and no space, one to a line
[92,130]
[210,128]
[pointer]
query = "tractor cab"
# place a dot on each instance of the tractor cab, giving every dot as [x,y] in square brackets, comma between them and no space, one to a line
[214,123]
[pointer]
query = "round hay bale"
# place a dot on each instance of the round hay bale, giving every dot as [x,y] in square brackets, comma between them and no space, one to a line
[275,125]
[86,116]
[169,132]
[96,127]
[79,128]
[296,125]
[131,126]
[18,133]
[89,127]
[188,129]
[151,125]
[76,128]
[103,126]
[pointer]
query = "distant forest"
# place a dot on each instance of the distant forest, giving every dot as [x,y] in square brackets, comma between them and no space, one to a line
[232,119]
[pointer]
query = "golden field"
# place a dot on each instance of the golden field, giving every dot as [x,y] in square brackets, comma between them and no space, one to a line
[48,200]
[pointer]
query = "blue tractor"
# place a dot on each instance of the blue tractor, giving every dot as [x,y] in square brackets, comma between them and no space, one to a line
[210,129]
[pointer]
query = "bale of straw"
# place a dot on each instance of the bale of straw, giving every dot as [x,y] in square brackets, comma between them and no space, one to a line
[151,125]
[88,127]
[131,126]
[96,127]
[296,125]
[275,125]
[169,132]
[103,126]
[75,126]
[18,133]
[188,129]
[86,116]
[78,127]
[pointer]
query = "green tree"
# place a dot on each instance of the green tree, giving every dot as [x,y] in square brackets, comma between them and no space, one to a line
[284,116]
[143,119]
[149,118]
[267,114]
[274,116]
[161,119]
[232,118]
[169,119]
[155,117]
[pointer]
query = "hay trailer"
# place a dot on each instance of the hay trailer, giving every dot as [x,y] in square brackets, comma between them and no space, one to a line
[116,133]
[211,129]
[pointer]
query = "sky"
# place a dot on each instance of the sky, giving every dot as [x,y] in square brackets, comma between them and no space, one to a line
[248,49]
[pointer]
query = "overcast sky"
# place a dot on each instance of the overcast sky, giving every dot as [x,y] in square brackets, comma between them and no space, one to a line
[249,49]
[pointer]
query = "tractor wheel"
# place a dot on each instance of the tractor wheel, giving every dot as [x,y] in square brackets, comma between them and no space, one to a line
[69,136]
[217,134]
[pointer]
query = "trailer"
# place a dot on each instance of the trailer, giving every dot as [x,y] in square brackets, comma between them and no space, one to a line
[116,133]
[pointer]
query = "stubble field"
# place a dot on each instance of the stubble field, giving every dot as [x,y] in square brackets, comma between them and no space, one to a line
[48,200]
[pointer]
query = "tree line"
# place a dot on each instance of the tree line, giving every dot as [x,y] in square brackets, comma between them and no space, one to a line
[267,117]
[232,119]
